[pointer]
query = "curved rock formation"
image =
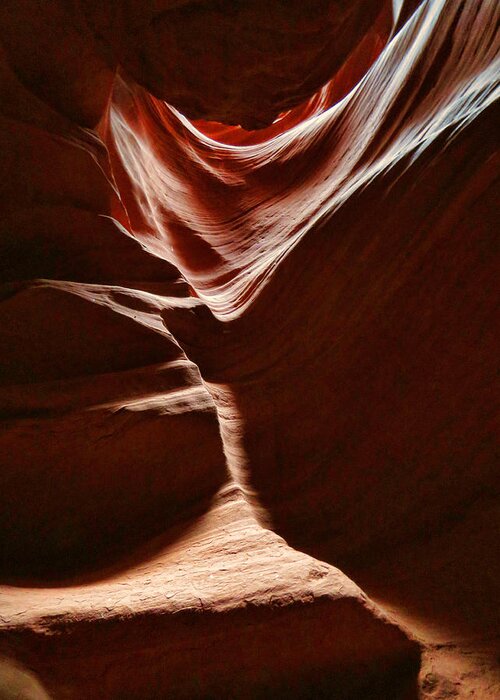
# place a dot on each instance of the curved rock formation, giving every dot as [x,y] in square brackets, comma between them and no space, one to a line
[233,62]
[345,321]
[226,610]
[96,399]
[332,277]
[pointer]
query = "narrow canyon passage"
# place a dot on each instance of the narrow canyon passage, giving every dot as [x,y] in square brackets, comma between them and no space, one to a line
[248,336]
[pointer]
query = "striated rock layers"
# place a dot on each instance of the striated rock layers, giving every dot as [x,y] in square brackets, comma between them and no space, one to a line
[211,334]
[222,609]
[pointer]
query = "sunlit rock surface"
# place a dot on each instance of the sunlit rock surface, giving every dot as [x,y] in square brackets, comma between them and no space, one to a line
[331,276]
[217,608]
[345,323]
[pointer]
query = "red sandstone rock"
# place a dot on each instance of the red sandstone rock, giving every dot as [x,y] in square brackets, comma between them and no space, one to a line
[344,324]
[54,54]
[107,435]
[238,63]
[235,62]
[346,321]
[226,610]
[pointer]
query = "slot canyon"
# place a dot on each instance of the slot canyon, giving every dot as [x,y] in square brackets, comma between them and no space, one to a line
[248,349]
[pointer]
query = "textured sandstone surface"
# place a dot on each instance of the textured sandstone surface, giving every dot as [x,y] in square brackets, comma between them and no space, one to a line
[210,335]
[234,62]
[95,395]
[226,609]
[347,287]
[345,323]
